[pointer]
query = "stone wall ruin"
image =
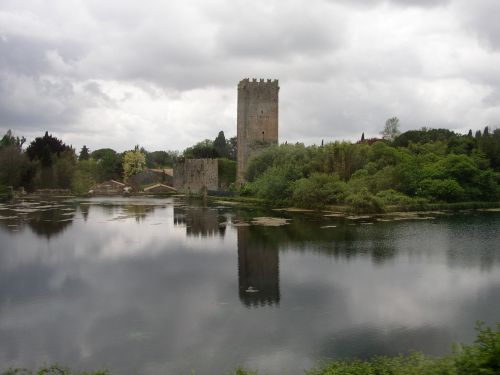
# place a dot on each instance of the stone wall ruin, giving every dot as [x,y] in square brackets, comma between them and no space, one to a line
[196,176]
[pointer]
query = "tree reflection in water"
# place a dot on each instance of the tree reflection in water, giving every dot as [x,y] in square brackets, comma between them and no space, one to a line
[44,218]
[49,223]
[200,221]
[85,209]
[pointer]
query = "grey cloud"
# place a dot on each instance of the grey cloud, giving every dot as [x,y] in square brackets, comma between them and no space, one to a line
[481,17]
[420,3]
[27,102]
[277,36]
[348,107]
[23,55]
[231,48]
[31,104]
[493,99]
[94,90]
[372,3]
[37,83]
[257,41]
[31,55]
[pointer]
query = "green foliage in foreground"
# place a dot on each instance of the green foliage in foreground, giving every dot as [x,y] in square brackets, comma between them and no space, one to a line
[482,357]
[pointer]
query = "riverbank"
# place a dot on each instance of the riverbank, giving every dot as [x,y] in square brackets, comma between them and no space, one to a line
[481,357]
[344,209]
[399,212]
[349,209]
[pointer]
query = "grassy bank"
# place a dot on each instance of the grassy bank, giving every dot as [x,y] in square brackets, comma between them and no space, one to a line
[482,358]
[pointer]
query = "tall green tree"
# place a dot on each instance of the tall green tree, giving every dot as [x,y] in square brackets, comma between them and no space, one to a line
[110,164]
[54,162]
[10,140]
[490,145]
[133,162]
[44,148]
[84,153]
[220,145]
[15,168]
[232,147]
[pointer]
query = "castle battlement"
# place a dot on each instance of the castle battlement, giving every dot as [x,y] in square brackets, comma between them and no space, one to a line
[254,83]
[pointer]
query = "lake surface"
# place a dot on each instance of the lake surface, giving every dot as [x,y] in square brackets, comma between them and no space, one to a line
[166,286]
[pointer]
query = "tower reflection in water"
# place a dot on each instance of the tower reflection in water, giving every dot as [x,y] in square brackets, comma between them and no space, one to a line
[258,255]
[200,221]
[258,268]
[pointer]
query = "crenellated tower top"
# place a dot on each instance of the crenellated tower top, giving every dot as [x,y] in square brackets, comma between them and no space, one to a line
[246,83]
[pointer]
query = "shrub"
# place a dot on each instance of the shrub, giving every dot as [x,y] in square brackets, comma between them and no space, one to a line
[246,189]
[487,186]
[392,196]
[364,201]
[361,179]
[447,190]
[226,171]
[81,182]
[275,184]
[318,190]
[242,371]
[483,357]
[281,156]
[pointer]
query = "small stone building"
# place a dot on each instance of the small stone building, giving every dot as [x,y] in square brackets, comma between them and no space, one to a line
[151,176]
[110,187]
[159,189]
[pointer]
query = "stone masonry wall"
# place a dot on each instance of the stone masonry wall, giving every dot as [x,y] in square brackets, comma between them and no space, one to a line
[195,175]
[257,119]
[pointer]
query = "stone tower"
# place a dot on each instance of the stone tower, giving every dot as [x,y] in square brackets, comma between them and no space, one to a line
[257,119]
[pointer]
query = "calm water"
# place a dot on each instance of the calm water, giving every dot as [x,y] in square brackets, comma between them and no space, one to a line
[165,286]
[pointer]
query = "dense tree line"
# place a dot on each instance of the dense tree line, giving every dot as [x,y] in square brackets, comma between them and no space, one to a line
[416,167]
[47,162]
[15,168]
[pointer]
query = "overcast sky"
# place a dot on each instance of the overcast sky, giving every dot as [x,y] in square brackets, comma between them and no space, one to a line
[163,74]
